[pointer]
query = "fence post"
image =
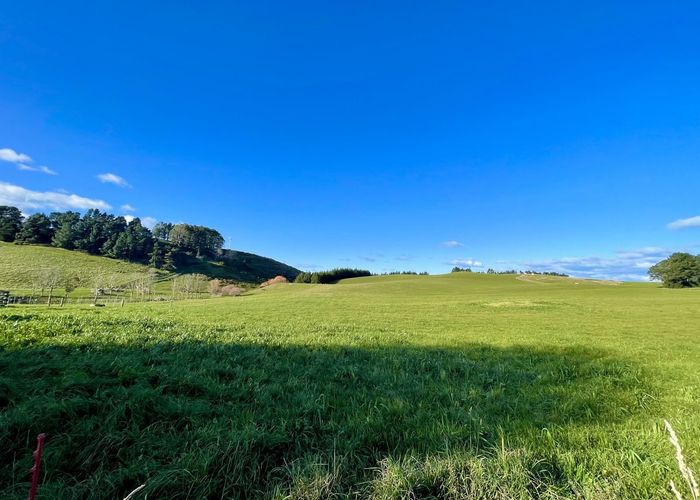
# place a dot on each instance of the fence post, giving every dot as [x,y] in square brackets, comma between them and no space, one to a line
[40,439]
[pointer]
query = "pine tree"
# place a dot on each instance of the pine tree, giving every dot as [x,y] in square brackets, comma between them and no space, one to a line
[10,223]
[168,262]
[35,230]
[156,259]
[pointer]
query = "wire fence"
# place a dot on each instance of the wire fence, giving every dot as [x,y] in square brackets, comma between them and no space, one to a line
[99,301]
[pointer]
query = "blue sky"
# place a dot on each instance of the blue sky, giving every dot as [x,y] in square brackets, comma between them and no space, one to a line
[383,135]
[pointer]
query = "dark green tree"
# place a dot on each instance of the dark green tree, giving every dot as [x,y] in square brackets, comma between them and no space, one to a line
[168,262]
[36,229]
[134,244]
[161,231]
[199,240]
[680,270]
[10,222]
[65,229]
[157,255]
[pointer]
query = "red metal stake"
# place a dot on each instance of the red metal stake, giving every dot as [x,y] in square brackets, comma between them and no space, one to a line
[37,465]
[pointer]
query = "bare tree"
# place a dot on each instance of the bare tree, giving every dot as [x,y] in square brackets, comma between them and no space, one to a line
[144,285]
[215,287]
[190,285]
[49,279]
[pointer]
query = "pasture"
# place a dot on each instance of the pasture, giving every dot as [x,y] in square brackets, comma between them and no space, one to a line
[454,386]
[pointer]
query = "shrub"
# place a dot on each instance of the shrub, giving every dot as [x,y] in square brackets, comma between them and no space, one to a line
[231,291]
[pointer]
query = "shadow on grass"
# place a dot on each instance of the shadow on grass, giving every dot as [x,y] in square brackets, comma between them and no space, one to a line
[201,420]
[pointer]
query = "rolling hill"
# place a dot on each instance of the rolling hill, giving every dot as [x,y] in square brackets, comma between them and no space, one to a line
[18,264]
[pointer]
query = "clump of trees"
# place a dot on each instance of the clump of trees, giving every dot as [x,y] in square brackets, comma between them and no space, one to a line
[457,269]
[680,270]
[332,276]
[100,233]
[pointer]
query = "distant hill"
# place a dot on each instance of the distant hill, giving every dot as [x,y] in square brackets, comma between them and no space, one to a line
[18,264]
[240,266]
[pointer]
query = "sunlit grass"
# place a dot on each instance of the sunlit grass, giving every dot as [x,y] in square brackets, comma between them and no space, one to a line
[393,387]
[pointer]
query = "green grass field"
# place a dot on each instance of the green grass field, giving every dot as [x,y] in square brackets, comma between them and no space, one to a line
[18,262]
[456,386]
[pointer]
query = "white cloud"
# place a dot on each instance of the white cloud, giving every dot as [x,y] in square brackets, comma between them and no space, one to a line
[685,223]
[128,208]
[466,262]
[7,154]
[113,179]
[452,244]
[626,265]
[30,168]
[25,199]
[149,222]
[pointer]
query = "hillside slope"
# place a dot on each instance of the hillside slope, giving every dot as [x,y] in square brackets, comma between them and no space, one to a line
[19,263]
[241,266]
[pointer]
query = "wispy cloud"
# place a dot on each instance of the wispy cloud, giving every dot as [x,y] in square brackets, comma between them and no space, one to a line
[466,262]
[26,199]
[451,244]
[626,265]
[7,154]
[110,178]
[309,267]
[404,258]
[685,223]
[30,168]
[22,161]
[373,257]
[128,208]
[149,222]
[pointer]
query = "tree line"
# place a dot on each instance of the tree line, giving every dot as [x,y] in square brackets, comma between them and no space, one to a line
[509,271]
[100,233]
[332,276]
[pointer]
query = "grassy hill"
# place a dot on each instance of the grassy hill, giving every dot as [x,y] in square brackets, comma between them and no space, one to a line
[18,264]
[241,266]
[454,386]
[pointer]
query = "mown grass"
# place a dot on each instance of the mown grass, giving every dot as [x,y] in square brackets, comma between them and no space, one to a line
[395,387]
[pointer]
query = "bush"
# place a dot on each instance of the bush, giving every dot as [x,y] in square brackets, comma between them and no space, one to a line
[231,291]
